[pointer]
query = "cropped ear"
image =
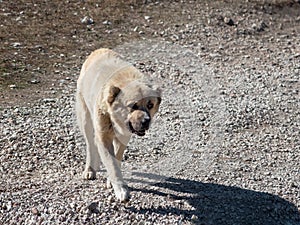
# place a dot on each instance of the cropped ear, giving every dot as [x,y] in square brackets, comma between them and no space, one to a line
[155,88]
[158,90]
[113,93]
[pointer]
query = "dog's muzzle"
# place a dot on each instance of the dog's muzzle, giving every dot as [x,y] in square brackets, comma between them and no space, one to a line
[139,132]
[142,127]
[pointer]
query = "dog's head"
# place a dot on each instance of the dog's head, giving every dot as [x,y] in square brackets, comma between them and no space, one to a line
[133,107]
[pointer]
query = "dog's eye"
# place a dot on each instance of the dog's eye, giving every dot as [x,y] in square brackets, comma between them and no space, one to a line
[134,106]
[150,105]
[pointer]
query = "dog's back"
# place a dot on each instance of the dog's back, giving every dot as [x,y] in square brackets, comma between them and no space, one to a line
[102,68]
[98,68]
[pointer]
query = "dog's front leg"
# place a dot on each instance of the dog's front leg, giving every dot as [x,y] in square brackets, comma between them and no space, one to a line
[119,148]
[106,151]
[86,126]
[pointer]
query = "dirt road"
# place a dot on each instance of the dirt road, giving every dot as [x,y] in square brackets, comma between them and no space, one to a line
[224,148]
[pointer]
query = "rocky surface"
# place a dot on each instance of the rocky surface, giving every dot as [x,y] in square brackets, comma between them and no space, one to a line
[224,148]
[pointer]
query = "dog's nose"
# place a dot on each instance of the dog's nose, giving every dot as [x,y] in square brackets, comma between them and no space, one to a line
[145,123]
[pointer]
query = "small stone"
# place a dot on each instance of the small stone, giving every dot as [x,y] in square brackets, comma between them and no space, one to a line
[12,86]
[35,211]
[87,20]
[106,22]
[260,27]
[34,81]
[194,217]
[297,55]
[93,208]
[136,29]
[48,100]
[228,21]
[16,44]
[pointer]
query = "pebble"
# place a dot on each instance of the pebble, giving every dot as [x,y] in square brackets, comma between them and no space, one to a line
[136,29]
[106,22]
[228,21]
[12,86]
[194,217]
[260,27]
[87,20]
[35,211]
[16,44]
[34,81]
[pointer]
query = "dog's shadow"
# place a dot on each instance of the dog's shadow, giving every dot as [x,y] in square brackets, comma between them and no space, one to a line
[218,204]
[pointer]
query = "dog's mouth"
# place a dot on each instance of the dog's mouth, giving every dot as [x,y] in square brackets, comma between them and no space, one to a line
[141,132]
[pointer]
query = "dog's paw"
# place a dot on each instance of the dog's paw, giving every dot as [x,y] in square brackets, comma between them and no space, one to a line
[89,174]
[122,193]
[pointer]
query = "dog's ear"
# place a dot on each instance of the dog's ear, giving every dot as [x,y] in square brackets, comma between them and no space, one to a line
[156,88]
[159,93]
[113,93]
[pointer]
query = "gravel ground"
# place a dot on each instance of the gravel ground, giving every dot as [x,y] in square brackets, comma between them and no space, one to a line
[224,148]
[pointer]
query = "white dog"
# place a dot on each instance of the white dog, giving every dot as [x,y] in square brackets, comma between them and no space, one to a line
[113,101]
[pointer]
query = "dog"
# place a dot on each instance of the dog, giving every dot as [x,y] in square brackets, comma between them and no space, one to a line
[113,101]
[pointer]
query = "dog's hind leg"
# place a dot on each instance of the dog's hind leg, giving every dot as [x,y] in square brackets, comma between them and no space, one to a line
[86,126]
